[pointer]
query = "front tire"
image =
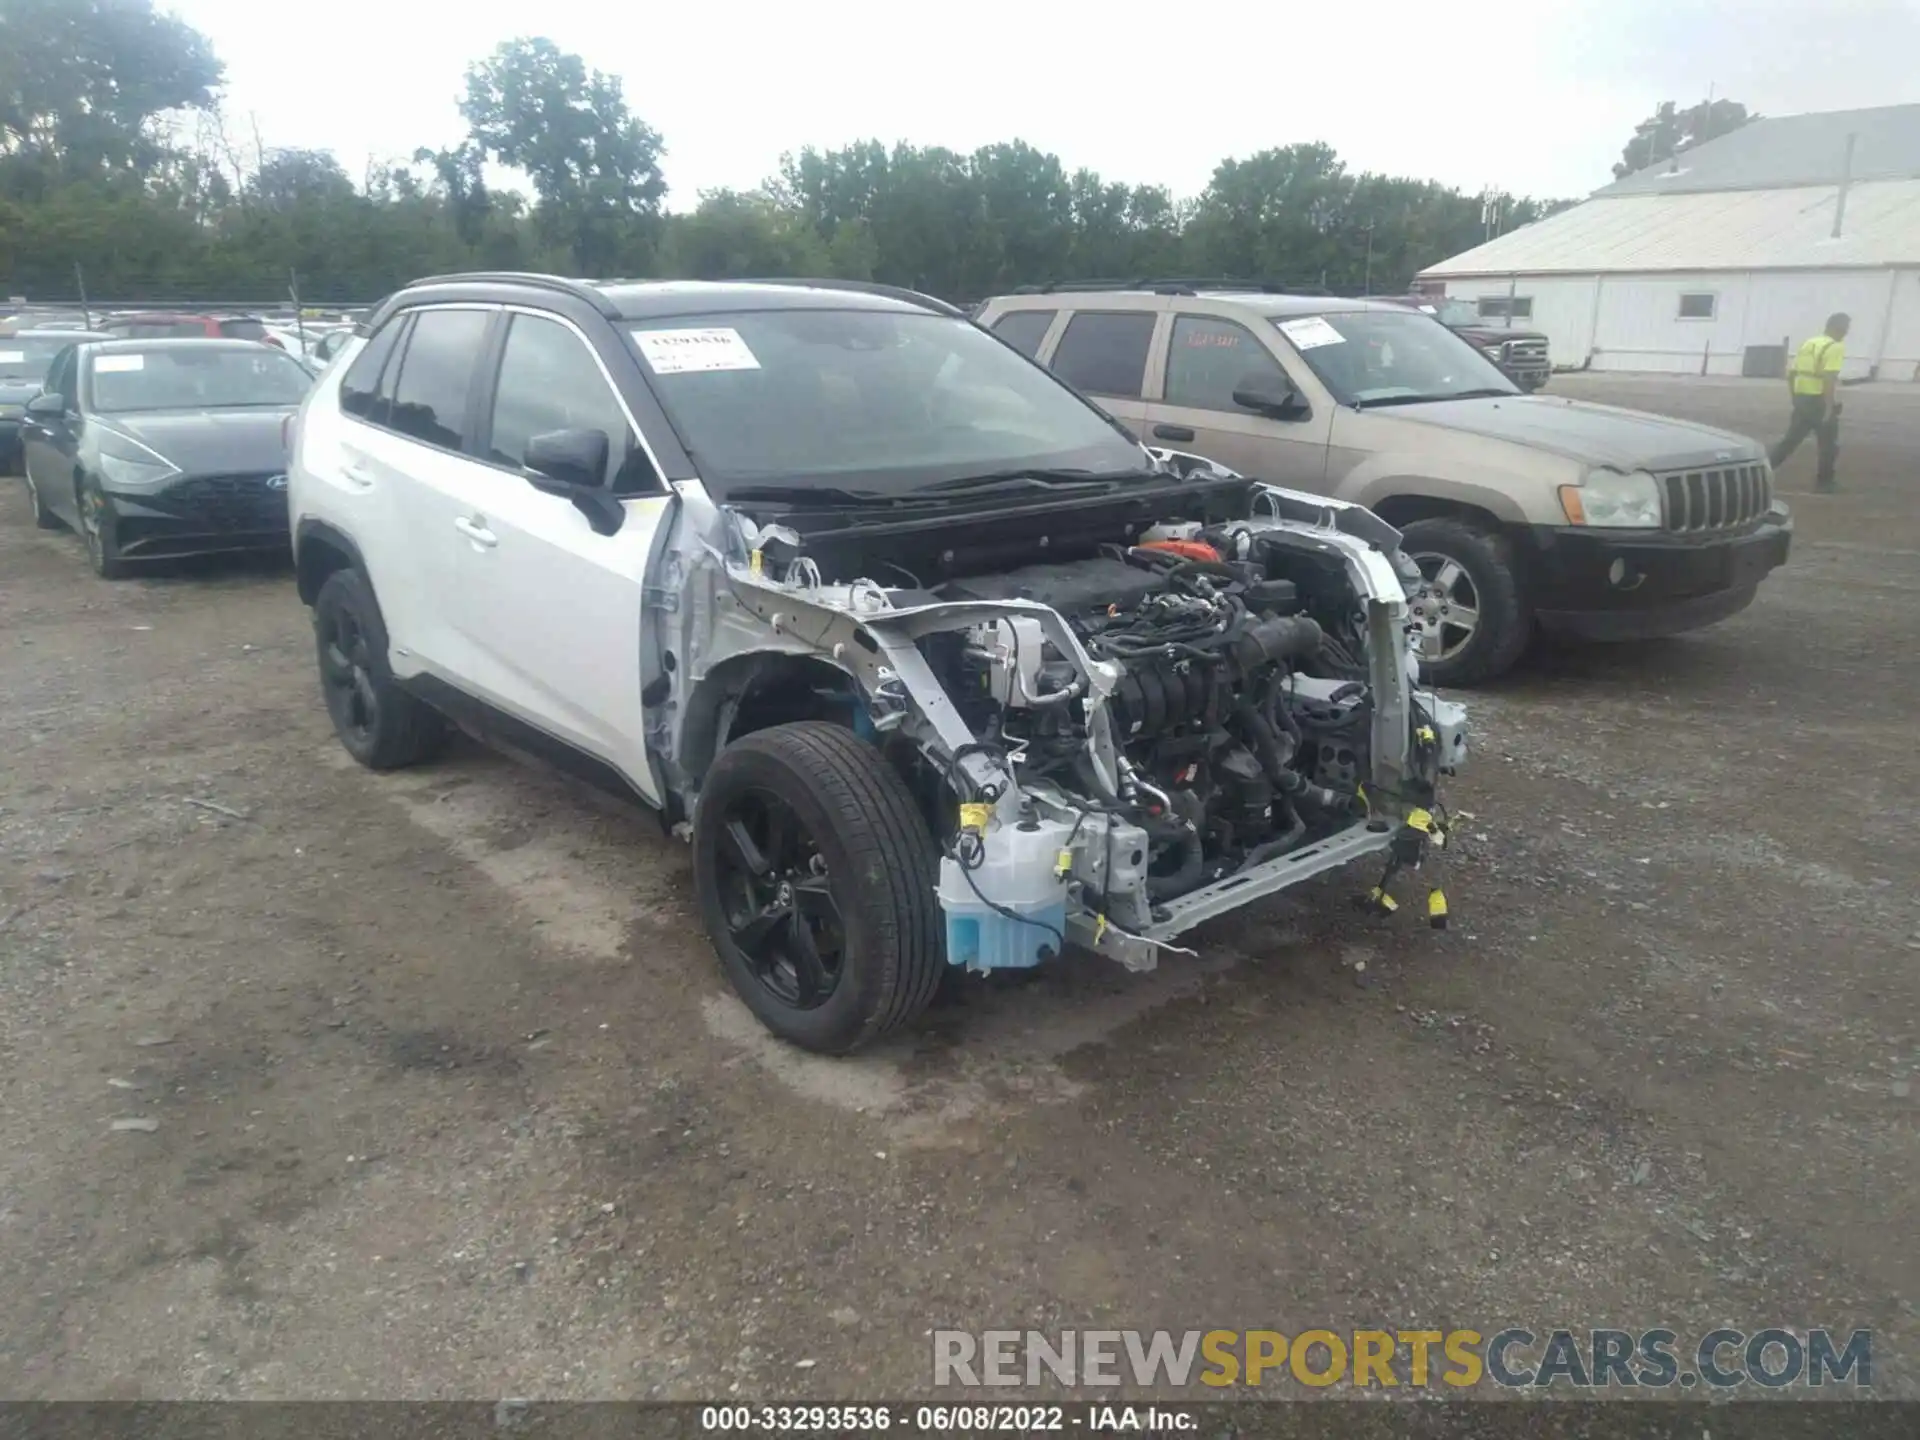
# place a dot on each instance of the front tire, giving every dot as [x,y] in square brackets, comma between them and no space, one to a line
[816,879]
[98,531]
[1472,616]
[380,724]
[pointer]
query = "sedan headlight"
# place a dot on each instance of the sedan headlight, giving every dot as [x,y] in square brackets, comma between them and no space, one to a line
[127,468]
[1608,500]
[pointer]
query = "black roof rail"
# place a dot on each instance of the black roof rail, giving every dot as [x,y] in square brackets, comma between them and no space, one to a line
[864,287]
[579,289]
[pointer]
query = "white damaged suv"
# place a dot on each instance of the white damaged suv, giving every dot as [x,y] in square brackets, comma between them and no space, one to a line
[932,662]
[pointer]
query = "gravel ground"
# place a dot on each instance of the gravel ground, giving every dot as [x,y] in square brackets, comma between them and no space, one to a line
[442,1094]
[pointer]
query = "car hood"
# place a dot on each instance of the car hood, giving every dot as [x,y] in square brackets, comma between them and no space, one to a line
[211,442]
[1488,334]
[1601,435]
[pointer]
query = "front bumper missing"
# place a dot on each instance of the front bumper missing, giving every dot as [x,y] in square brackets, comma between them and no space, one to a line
[1139,950]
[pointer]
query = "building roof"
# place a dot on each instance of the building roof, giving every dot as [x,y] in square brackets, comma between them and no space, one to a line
[1781,229]
[1790,151]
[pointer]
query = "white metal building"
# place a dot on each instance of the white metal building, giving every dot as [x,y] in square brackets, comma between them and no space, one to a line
[1709,263]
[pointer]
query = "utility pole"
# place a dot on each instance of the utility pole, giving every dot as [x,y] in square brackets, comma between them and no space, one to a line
[1367,287]
[86,310]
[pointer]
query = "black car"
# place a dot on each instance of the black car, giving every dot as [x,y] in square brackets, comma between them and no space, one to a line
[25,358]
[154,448]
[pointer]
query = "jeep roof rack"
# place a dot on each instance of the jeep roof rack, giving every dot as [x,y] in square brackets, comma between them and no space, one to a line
[1171,285]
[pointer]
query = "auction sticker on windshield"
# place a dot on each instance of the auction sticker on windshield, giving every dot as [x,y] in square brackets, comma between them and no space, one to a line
[1311,333]
[13,357]
[676,352]
[114,364]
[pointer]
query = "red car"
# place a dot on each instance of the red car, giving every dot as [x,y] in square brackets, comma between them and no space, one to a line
[177,325]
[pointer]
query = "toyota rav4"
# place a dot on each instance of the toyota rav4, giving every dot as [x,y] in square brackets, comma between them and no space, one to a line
[933,664]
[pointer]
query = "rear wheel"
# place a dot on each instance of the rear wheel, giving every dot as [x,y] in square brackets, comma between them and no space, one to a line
[816,877]
[1470,618]
[382,726]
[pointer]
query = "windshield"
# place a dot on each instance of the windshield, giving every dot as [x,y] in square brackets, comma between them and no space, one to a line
[26,357]
[191,378]
[1401,357]
[866,400]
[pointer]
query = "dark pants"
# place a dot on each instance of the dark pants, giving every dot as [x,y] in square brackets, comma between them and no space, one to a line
[1810,418]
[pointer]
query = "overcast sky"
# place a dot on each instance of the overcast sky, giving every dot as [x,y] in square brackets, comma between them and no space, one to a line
[1534,96]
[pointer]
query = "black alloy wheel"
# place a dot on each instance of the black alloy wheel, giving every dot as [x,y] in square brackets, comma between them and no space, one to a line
[381,725]
[780,911]
[346,676]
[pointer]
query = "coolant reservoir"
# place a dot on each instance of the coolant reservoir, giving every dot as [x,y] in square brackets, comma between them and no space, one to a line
[1020,873]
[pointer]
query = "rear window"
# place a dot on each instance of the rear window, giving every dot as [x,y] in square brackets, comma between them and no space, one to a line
[243,329]
[1105,354]
[1024,329]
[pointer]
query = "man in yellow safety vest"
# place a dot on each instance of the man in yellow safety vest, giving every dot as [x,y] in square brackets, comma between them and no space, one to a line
[1814,382]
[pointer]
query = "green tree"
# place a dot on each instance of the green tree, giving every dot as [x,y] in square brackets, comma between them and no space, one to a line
[84,84]
[1669,131]
[594,166]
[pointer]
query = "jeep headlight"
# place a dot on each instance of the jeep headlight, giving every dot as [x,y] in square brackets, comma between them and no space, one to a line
[1608,500]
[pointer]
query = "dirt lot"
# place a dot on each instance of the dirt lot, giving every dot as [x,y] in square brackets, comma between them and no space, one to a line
[452,1101]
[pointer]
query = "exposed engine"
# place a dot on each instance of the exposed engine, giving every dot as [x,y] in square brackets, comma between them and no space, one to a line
[1242,714]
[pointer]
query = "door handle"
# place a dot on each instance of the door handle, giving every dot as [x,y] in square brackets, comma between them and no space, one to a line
[359,476]
[1172,432]
[476,530]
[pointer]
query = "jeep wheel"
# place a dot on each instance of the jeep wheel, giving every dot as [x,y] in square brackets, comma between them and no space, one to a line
[1470,619]
[382,726]
[816,877]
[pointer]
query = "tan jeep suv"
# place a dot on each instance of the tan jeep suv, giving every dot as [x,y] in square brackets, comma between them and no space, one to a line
[1522,511]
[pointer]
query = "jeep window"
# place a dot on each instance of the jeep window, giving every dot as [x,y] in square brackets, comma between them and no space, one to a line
[361,394]
[1104,353]
[436,376]
[1391,357]
[1024,329]
[549,381]
[191,378]
[1509,307]
[872,399]
[1212,358]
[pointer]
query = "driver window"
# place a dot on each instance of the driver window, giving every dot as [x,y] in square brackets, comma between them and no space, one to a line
[1210,358]
[549,381]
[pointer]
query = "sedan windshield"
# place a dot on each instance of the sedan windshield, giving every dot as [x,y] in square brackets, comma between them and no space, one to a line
[219,377]
[1391,357]
[28,357]
[869,402]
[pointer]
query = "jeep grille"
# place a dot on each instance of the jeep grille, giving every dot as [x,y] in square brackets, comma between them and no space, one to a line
[1716,499]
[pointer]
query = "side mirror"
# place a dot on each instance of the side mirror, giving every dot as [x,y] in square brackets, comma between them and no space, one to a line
[571,464]
[1268,395]
[47,405]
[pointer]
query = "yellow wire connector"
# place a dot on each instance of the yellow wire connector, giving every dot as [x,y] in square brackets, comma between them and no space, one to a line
[1063,863]
[1378,899]
[1437,908]
[758,564]
[1420,820]
[974,816]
